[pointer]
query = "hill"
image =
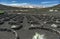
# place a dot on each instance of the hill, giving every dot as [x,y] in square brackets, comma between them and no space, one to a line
[56,7]
[3,7]
[29,10]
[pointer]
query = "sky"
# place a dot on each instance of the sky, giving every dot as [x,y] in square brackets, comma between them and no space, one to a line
[30,2]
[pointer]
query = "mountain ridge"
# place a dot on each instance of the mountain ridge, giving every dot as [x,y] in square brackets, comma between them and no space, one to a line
[3,7]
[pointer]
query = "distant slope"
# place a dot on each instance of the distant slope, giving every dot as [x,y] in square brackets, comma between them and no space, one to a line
[29,10]
[56,7]
[3,7]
